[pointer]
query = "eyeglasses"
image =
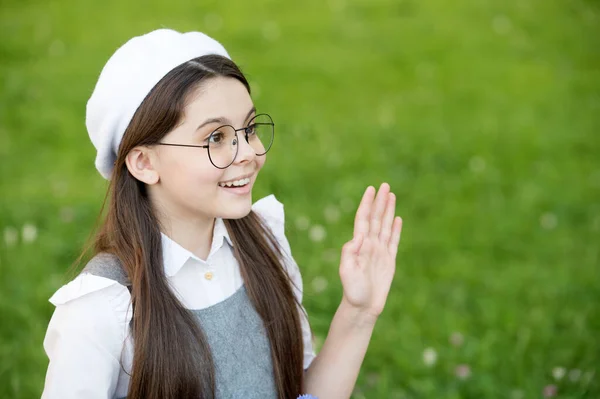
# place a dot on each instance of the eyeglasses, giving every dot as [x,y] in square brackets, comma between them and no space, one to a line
[223,142]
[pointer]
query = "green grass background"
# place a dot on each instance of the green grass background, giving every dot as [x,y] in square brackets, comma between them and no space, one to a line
[483,115]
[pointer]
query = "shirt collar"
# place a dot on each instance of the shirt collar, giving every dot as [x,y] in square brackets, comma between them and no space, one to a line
[175,256]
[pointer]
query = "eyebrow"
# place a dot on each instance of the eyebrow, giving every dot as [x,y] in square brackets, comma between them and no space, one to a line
[223,120]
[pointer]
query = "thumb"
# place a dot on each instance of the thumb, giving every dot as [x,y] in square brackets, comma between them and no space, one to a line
[352,247]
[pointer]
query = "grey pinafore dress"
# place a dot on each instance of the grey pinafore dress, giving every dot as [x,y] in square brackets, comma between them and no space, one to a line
[235,333]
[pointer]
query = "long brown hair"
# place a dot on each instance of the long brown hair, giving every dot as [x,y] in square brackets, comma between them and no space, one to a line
[172,358]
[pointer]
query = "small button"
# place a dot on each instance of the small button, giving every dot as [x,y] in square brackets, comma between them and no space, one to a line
[208,275]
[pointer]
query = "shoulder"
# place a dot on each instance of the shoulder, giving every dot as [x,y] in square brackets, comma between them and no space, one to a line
[272,212]
[85,335]
[101,277]
[95,303]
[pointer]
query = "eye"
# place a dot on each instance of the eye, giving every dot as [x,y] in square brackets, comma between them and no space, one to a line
[216,137]
[250,130]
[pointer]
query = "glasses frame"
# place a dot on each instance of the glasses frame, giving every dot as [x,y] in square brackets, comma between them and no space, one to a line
[250,124]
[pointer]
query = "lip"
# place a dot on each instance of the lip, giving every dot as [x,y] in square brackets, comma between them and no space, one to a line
[249,175]
[240,190]
[244,190]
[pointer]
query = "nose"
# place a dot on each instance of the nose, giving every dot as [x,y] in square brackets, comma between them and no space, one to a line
[245,151]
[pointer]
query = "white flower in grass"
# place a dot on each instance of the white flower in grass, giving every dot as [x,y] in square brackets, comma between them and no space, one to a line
[57,48]
[575,375]
[429,357]
[517,394]
[317,233]
[477,164]
[67,214]
[387,116]
[372,379]
[548,221]
[331,255]
[302,223]
[457,339]
[319,284]
[558,373]
[596,223]
[332,214]
[335,159]
[399,395]
[501,24]
[59,188]
[29,233]
[588,376]
[462,371]
[358,393]
[550,391]
[11,235]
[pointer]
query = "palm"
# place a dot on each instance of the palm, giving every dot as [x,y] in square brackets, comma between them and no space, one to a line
[368,261]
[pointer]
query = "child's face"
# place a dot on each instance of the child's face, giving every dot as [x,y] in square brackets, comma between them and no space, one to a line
[188,184]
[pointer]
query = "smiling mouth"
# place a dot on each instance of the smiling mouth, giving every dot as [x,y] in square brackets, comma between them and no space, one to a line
[236,183]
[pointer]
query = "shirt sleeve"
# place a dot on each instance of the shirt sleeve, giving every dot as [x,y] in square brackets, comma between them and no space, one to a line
[85,338]
[272,212]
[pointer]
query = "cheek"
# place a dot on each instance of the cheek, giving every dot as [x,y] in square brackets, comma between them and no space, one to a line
[205,176]
[260,161]
[191,173]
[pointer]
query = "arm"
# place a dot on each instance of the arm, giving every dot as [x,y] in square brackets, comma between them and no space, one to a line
[333,373]
[366,269]
[83,343]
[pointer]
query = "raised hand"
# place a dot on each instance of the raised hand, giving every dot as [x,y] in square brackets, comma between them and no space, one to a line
[368,261]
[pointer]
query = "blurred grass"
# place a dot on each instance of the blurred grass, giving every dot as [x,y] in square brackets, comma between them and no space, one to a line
[483,115]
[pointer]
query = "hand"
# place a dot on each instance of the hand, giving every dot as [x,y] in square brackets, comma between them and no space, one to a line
[368,261]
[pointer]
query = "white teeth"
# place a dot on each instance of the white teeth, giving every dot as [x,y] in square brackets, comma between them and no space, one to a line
[235,183]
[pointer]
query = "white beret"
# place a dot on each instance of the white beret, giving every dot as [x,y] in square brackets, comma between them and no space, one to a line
[127,78]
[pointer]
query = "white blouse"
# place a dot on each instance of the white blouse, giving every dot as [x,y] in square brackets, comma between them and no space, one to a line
[88,333]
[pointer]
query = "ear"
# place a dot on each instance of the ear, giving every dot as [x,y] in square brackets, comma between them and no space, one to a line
[140,165]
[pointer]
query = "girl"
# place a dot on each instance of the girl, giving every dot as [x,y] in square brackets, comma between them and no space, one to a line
[192,292]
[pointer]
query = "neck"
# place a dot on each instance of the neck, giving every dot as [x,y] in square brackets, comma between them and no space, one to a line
[193,234]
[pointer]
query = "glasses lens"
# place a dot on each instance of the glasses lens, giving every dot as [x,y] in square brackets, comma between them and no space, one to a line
[223,146]
[260,133]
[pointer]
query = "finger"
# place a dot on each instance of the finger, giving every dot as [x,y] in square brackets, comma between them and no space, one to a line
[388,219]
[351,249]
[361,221]
[396,233]
[364,256]
[378,209]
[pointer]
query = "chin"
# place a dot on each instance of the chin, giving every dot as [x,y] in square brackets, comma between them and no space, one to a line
[237,211]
